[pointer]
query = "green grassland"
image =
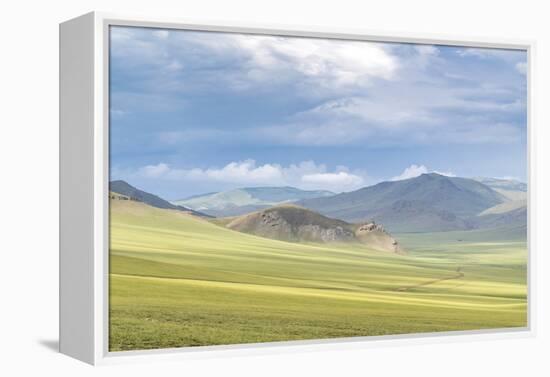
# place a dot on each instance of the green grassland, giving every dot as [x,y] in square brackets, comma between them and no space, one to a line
[177,280]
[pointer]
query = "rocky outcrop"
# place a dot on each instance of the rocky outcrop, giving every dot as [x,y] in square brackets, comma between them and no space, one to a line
[296,224]
[376,236]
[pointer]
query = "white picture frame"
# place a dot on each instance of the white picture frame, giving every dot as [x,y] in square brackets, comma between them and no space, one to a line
[84,208]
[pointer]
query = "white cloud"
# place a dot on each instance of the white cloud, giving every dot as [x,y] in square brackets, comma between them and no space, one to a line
[450,116]
[424,56]
[509,178]
[239,172]
[411,172]
[161,34]
[487,53]
[477,52]
[174,65]
[305,175]
[117,112]
[417,170]
[445,173]
[192,135]
[330,61]
[252,60]
[154,171]
[121,34]
[521,67]
[515,58]
[376,112]
[136,48]
[340,179]
[427,50]
[358,92]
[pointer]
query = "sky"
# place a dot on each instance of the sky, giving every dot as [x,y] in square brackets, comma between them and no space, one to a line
[195,112]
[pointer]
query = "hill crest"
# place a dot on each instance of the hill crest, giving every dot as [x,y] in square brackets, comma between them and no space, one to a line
[293,223]
[429,202]
[125,189]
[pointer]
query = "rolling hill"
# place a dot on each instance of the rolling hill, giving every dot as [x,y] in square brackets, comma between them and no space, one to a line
[245,200]
[125,189]
[504,207]
[503,184]
[512,212]
[296,224]
[428,203]
[180,280]
[514,218]
[513,190]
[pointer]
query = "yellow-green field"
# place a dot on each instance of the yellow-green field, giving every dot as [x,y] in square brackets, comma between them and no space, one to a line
[177,280]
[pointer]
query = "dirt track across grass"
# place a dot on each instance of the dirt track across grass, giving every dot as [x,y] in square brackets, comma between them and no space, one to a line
[459,275]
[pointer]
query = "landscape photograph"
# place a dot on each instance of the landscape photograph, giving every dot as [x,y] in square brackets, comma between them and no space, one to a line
[270,188]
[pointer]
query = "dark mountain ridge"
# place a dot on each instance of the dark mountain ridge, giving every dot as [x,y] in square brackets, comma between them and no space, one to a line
[124,188]
[429,202]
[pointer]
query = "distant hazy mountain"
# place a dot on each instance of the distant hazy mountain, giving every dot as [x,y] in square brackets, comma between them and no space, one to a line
[505,184]
[245,200]
[430,202]
[504,207]
[514,217]
[296,224]
[124,188]
[513,212]
[510,188]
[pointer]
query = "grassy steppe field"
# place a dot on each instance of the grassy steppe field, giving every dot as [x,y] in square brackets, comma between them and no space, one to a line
[177,280]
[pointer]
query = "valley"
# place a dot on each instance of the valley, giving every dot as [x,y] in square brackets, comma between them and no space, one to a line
[178,279]
[270,188]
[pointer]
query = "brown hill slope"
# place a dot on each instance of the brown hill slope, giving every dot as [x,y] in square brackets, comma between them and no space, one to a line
[296,224]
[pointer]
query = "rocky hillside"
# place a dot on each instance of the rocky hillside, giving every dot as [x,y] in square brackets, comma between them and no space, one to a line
[428,203]
[296,224]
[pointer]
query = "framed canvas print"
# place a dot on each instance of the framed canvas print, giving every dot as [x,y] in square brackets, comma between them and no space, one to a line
[225,188]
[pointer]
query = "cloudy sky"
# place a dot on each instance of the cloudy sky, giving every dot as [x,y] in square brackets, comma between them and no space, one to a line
[195,112]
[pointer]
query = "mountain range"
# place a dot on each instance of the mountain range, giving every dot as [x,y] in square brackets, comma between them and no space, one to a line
[503,183]
[512,189]
[248,199]
[427,203]
[126,190]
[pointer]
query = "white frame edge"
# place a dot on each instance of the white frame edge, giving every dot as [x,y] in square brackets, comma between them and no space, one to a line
[84,284]
[76,212]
